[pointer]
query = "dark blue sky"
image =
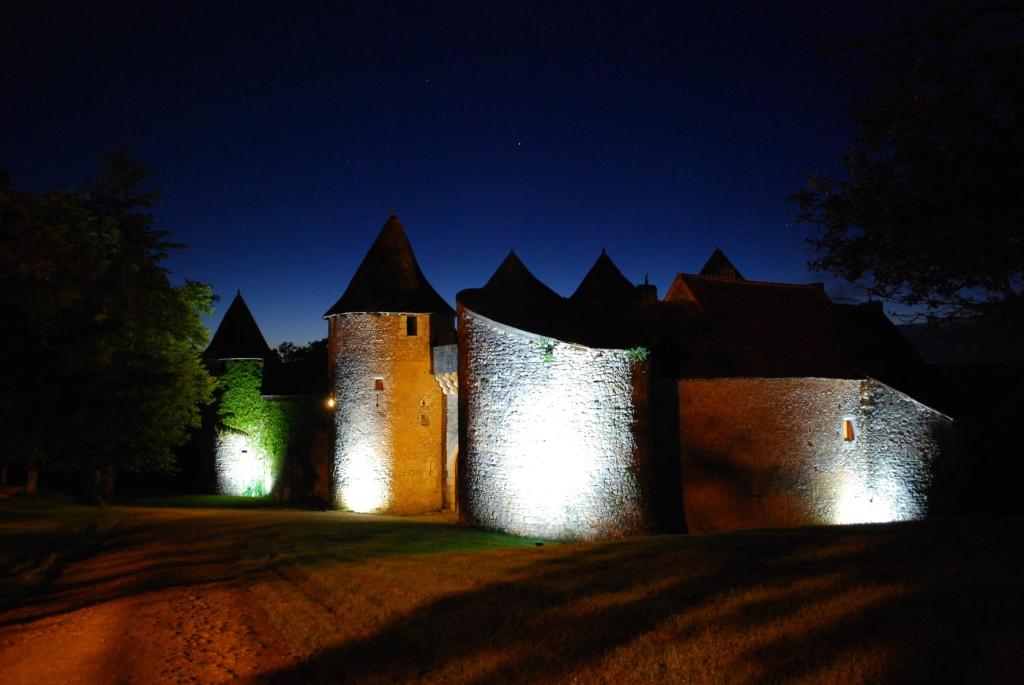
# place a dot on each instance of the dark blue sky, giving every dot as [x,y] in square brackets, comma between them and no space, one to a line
[281,134]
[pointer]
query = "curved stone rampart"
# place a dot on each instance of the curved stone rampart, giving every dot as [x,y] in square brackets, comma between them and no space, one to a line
[556,434]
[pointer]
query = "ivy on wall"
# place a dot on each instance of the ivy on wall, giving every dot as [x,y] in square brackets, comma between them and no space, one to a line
[243,410]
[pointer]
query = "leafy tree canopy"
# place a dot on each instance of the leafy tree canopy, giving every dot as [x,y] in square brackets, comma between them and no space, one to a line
[929,212]
[312,352]
[101,353]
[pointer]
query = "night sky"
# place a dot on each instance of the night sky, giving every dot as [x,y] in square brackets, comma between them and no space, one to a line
[280,135]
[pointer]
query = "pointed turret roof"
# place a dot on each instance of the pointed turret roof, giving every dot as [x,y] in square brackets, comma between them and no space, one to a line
[238,336]
[389,279]
[719,265]
[605,281]
[512,280]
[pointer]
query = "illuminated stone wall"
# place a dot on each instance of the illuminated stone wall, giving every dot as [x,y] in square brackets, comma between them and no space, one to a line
[388,443]
[555,439]
[771,452]
[241,467]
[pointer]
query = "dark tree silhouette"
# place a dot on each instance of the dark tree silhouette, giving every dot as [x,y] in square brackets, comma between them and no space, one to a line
[929,213]
[100,351]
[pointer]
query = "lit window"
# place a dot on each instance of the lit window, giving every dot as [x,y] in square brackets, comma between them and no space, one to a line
[410,325]
[378,384]
[848,432]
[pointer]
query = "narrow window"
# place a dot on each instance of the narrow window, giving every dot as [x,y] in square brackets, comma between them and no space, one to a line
[848,432]
[378,384]
[410,325]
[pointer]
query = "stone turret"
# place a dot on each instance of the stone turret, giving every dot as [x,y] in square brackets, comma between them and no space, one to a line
[389,415]
[237,354]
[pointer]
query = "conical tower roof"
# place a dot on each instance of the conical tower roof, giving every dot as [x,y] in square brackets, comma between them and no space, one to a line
[238,336]
[719,265]
[389,279]
[513,281]
[605,281]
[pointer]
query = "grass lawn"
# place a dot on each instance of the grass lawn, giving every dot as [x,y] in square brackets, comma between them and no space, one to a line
[376,599]
[202,501]
[935,601]
[40,534]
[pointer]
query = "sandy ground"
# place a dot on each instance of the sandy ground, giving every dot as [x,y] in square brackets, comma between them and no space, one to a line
[156,603]
[206,595]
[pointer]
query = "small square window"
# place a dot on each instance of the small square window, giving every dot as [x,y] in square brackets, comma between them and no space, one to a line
[848,432]
[378,384]
[410,325]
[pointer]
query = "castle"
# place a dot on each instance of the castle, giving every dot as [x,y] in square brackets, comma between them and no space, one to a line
[729,403]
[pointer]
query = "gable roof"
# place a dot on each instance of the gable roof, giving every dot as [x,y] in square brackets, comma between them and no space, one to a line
[761,329]
[719,265]
[605,281]
[237,336]
[389,279]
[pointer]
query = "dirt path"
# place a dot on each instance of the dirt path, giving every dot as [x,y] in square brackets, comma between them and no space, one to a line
[160,601]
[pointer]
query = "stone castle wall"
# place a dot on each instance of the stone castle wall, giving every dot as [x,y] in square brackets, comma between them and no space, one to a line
[772,452]
[241,462]
[387,454]
[555,436]
[241,467]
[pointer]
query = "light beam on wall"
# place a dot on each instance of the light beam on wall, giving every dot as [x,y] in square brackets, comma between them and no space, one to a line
[363,478]
[553,469]
[552,444]
[871,500]
[242,468]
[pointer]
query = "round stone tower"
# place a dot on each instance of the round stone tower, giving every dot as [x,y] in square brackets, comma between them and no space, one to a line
[389,411]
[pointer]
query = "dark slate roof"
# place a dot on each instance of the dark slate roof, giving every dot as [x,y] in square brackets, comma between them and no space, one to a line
[237,336]
[513,281]
[389,279]
[719,265]
[515,297]
[605,281]
[758,329]
[713,327]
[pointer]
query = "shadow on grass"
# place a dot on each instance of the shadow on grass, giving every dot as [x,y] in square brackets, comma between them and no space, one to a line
[165,549]
[909,602]
[898,602]
[38,536]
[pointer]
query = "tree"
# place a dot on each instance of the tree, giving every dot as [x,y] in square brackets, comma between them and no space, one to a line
[929,214]
[101,352]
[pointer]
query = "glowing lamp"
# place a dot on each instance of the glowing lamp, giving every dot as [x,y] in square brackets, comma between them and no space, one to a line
[330,403]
